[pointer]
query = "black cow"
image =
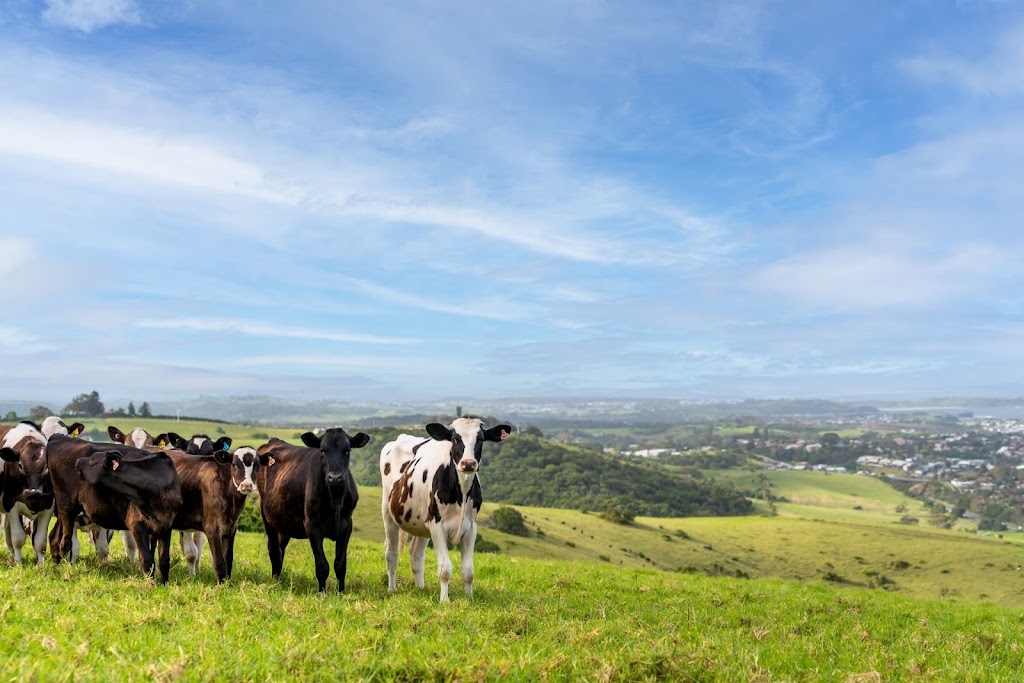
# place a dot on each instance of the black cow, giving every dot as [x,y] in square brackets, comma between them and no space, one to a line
[116,487]
[309,492]
[199,444]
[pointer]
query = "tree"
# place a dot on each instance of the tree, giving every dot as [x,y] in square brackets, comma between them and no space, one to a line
[131,409]
[509,521]
[85,404]
[11,416]
[40,413]
[144,410]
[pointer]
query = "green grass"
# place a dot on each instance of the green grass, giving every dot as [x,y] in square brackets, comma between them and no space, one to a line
[530,620]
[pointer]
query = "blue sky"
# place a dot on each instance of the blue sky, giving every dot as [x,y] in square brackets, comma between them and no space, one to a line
[420,200]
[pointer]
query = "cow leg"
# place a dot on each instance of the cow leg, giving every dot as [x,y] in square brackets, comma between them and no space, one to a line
[220,566]
[341,551]
[100,538]
[190,551]
[392,536]
[16,532]
[320,564]
[276,544]
[7,533]
[39,535]
[444,562]
[466,546]
[199,540]
[229,553]
[130,545]
[418,557]
[163,542]
[144,544]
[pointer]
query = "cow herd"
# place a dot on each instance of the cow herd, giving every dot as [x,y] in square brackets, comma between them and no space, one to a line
[198,487]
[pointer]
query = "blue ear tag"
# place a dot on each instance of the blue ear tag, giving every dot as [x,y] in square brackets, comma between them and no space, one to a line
[226,447]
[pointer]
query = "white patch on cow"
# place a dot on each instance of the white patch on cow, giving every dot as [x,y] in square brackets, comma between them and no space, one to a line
[246,469]
[53,425]
[140,437]
[198,441]
[21,431]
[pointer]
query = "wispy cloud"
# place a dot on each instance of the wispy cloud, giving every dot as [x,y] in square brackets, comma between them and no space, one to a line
[90,15]
[264,330]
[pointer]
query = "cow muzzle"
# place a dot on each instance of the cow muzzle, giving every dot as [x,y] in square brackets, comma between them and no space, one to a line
[468,465]
[335,478]
[246,487]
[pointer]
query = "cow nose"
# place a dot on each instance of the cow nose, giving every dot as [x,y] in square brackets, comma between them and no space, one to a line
[334,477]
[245,487]
[468,465]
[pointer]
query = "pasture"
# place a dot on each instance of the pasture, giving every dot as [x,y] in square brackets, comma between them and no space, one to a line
[530,620]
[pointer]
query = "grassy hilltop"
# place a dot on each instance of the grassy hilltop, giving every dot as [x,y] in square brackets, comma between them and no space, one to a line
[831,587]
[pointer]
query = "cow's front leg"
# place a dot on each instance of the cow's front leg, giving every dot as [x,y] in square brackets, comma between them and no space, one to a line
[189,551]
[341,552]
[16,532]
[40,535]
[444,562]
[466,546]
[163,543]
[320,563]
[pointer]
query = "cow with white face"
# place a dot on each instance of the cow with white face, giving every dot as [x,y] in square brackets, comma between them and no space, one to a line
[432,491]
[26,489]
[54,425]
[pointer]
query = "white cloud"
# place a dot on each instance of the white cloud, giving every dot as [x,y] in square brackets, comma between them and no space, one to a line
[89,15]
[262,330]
[1000,74]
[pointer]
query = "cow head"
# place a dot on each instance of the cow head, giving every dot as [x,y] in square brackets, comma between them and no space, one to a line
[139,437]
[200,444]
[54,425]
[99,467]
[335,448]
[24,448]
[467,435]
[245,463]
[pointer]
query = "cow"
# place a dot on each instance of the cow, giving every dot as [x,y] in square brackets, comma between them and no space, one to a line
[54,425]
[199,444]
[115,487]
[431,491]
[309,492]
[25,490]
[214,489]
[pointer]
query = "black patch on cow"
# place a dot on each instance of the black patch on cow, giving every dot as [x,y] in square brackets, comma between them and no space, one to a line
[417,446]
[444,489]
[476,494]
[387,469]
[424,476]
[408,514]
[404,465]
[410,489]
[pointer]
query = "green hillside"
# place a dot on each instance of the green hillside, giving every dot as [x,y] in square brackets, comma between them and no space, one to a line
[530,620]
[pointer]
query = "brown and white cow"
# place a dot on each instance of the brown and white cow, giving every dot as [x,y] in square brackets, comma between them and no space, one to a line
[25,490]
[54,425]
[309,492]
[431,490]
[214,489]
[115,487]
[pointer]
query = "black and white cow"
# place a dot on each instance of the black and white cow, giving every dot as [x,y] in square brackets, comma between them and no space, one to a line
[54,425]
[431,491]
[309,492]
[26,490]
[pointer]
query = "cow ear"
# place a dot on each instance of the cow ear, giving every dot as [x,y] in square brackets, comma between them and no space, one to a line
[359,440]
[498,433]
[266,460]
[223,457]
[311,440]
[115,434]
[112,461]
[176,440]
[76,429]
[9,454]
[439,432]
[222,444]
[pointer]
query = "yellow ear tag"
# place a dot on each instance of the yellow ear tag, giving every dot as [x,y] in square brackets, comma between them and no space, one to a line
[161,443]
[76,432]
